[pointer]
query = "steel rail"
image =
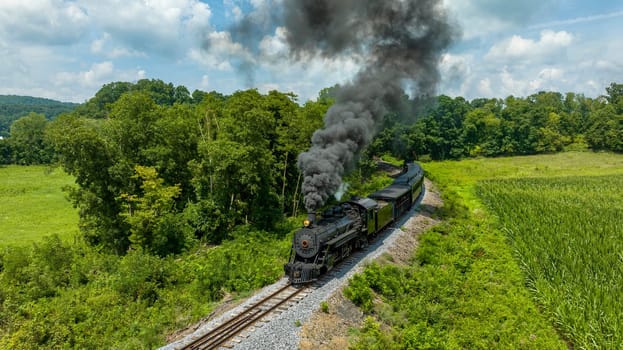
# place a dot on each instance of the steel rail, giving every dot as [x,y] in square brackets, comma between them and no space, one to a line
[234,326]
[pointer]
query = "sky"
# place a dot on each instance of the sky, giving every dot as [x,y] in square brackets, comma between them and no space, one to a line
[67,49]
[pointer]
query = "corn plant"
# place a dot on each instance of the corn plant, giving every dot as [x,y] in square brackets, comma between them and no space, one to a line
[567,233]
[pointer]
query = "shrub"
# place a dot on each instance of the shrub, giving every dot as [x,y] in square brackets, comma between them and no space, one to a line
[359,292]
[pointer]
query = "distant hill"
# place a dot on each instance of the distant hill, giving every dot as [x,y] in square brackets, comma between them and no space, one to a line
[13,107]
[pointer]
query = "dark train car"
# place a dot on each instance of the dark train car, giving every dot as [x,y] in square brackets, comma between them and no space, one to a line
[368,209]
[413,177]
[397,196]
[384,215]
[376,215]
[404,191]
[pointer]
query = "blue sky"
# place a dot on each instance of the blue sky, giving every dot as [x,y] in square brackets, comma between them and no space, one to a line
[66,50]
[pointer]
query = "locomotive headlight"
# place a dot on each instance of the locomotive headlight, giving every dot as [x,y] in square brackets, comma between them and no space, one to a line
[306,223]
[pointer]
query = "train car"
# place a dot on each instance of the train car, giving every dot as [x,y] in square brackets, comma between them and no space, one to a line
[413,177]
[404,191]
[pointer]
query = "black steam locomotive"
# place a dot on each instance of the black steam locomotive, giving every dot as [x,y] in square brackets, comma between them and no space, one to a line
[322,243]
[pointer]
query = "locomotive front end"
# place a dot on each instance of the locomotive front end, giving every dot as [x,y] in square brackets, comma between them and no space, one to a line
[299,272]
[303,266]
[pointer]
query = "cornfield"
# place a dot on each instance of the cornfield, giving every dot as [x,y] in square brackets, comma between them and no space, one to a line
[567,234]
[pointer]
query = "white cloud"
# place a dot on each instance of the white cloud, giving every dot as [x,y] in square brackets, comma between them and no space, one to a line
[205,82]
[454,70]
[52,22]
[479,18]
[484,88]
[275,46]
[550,43]
[220,52]
[104,46]
[237,12]
[209,60]
[220,43]
[551,74]
[145,26]
[98,75]
[584,19]
[307,78]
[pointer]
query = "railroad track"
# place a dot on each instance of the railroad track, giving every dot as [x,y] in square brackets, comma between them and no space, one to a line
[223,333]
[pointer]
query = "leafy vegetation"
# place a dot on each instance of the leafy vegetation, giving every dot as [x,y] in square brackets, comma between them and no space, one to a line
[565,231]
[466,289]
[182,199]
[56,294]
[438,128]
[463,290]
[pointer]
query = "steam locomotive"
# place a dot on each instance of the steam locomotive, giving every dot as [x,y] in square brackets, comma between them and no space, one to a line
[322,243]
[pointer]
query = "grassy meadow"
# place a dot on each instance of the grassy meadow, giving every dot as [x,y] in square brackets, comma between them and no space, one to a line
[562,215]
[33,204]
[461,176]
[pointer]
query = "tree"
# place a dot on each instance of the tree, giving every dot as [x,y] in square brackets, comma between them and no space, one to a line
[5,151]
[482,132]
[151,215]
[181,95]
[444,126]
[99,105]
[27,140]
[615,97]
[159,91]
[85,153]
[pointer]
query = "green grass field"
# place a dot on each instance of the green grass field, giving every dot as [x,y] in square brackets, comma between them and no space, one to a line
[461,176]
[33,204]
[562,216]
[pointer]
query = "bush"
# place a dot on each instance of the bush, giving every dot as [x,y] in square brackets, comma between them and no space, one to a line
[208,221]
[71,295]
[371,337]
[141,276]
[359,292]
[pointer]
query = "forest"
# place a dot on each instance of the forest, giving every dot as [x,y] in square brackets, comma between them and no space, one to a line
[174,189]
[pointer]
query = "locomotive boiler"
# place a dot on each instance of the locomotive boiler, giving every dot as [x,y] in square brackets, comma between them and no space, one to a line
[324,241]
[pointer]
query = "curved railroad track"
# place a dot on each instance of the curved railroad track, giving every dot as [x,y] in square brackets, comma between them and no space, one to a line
[223,333]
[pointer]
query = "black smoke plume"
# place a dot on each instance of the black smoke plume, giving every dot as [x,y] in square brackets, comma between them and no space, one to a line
[400,43]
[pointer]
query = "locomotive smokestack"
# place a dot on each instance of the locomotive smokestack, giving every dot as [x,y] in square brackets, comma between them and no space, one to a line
[311,219]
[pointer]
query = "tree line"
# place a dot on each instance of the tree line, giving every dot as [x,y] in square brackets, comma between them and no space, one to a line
[14,107]
[158,168]
[545,122]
